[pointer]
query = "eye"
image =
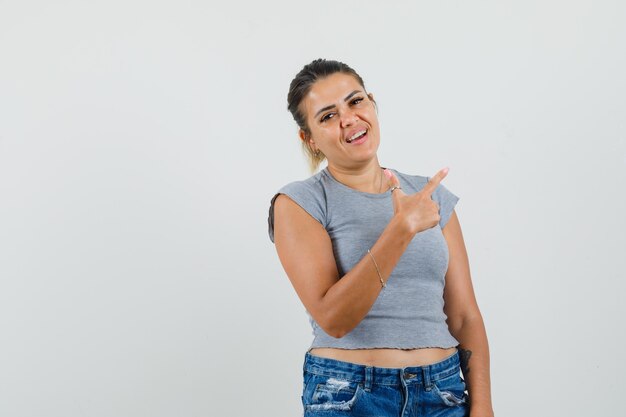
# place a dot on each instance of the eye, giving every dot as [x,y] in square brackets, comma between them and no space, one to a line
[357,100]
[326,117]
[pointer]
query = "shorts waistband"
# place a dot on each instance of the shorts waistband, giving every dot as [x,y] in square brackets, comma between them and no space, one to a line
[379,375]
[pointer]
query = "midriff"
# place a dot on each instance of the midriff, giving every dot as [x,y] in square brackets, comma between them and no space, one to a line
[386,358]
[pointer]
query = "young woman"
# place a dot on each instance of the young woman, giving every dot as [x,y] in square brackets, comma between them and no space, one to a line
[378,260]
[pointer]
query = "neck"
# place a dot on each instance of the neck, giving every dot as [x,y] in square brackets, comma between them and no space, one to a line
[367,178]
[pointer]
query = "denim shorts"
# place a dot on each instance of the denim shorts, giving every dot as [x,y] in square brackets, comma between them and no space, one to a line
[337,388]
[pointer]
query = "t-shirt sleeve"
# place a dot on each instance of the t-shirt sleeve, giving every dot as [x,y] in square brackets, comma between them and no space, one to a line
[306,196]
[446,200]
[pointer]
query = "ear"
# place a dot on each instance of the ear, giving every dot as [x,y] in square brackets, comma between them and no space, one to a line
[305,139]
[371,97]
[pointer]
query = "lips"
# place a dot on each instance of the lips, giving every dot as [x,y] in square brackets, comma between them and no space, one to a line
[356,135]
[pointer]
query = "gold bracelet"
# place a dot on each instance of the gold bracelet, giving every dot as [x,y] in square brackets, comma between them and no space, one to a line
[377,270]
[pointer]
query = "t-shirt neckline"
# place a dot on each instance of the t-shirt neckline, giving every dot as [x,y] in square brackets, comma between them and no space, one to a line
[327,173]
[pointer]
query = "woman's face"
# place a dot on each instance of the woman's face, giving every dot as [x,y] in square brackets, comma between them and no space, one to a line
[342,120]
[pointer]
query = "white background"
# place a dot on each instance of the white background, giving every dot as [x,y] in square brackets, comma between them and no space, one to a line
[141,142]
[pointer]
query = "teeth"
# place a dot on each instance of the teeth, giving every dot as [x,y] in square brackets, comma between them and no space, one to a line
[356,135]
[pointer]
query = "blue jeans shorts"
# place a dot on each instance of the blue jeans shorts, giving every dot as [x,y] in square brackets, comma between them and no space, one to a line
[338,388]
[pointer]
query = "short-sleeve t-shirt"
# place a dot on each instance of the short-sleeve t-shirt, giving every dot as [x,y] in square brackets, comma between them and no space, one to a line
[408,312]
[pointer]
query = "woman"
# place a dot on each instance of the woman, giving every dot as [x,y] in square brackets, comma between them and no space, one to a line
[378,260]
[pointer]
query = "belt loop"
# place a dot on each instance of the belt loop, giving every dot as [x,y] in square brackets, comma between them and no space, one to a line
[426,374]
[368,378]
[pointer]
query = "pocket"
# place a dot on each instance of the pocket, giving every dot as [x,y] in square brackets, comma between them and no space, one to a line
[327,393]
[451,390]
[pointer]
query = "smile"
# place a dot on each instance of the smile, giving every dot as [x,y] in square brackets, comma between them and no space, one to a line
[358,137]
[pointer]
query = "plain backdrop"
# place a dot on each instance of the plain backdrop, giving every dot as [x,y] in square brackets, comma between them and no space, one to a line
[141,142]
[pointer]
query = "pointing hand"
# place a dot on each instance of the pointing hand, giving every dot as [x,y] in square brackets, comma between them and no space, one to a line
[419,211]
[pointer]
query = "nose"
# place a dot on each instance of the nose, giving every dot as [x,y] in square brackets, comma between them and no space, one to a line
[348,118]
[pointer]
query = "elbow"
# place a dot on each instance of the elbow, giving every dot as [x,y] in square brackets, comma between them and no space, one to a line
[336,333]
[456,324]
[335,328]
[336,322]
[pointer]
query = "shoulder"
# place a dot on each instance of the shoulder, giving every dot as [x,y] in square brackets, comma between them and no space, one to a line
[312,185]
[309,194]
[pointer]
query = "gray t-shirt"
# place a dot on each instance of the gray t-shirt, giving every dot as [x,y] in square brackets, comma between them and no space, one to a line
[408,312]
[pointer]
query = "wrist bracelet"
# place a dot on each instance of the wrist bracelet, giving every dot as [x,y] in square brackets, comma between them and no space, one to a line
[377,270]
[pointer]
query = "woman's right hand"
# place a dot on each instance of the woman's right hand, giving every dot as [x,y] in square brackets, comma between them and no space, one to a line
[418,211]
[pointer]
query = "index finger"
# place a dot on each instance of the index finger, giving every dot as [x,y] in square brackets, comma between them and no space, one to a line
[432,184]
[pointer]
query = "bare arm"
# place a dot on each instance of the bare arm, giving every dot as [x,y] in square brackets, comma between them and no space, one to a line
[466,323]
[305,251]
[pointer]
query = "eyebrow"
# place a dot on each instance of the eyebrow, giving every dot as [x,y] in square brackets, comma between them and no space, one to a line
[348,97]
